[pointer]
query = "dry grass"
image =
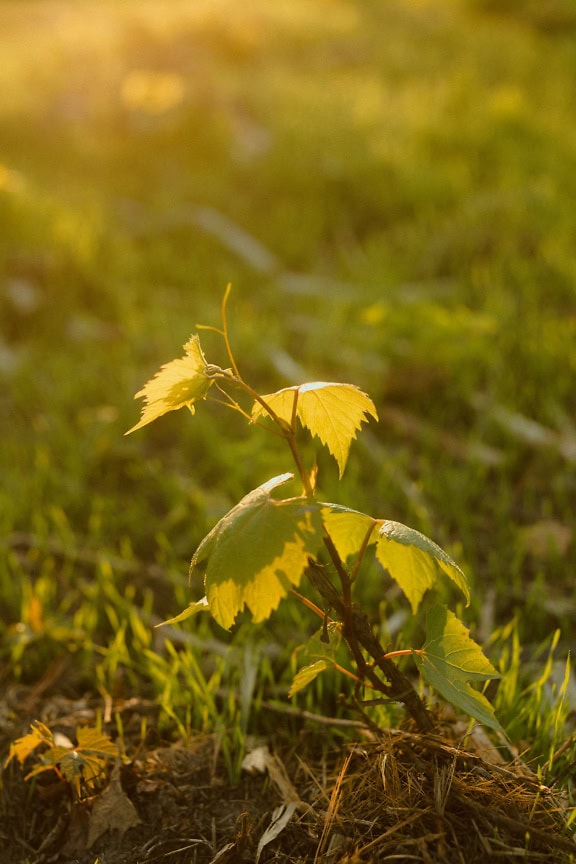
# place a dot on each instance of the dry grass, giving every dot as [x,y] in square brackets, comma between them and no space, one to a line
[420,798]
[400,796]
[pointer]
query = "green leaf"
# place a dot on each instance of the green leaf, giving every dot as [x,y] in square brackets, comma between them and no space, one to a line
[450,659]
[307,674]
[257,552]
[192,609]
[416,562]
[84,763]
[178,383]
[333,412]
[348,529]
[87,761]
[320,651]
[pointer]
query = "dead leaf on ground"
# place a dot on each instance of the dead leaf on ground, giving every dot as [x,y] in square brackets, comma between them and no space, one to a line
[111,811]
[280,819]
[260,759]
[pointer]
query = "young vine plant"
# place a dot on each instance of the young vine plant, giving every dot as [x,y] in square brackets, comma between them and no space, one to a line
[267,546]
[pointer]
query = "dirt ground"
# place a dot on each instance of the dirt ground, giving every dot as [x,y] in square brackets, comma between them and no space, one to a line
[399,796]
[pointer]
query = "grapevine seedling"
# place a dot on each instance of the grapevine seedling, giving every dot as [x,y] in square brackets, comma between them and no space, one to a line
[267,546]
[81,765]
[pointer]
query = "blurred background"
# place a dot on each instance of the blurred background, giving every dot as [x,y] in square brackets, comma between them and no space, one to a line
[390,188]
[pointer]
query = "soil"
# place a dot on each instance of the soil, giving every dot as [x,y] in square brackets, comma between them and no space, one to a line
[398,796]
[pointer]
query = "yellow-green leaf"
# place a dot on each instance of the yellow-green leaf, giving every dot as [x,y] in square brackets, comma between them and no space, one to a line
[333,412]
[21,748]
[318,654]
[349,529]
[87,761]
[450,659]
[178,383]
[415,561]
[92,741]
[83,763]
[256,552]
[192,609]
[307,674]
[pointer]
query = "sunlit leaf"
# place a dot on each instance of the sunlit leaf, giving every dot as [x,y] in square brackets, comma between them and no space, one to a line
[257,552]
[333,412]
[87,761]
[50,759]
[93,742]
[178,383]
[348,529]
[192,609]
[317,655]
[84,762]
[450,659]
[415,561]
[22,747]
[307,674]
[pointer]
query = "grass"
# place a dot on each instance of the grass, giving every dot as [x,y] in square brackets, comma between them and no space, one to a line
[403,173]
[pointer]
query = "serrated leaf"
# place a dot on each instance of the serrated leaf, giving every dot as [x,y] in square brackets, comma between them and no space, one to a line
[93,742]
[22,747]
[178,383]
[450,659]
[84,762]
[78,767]
[256,552]
[348,529]
[50,759]
[318,654]
[333,412]
[415,562]
[87,761]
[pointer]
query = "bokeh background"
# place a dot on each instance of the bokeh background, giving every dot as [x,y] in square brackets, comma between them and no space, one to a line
[390,188]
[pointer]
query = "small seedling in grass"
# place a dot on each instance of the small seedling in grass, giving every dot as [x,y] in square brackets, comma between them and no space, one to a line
[267,546]
[82,766]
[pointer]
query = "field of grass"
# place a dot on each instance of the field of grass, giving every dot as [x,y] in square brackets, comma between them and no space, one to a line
[390,188]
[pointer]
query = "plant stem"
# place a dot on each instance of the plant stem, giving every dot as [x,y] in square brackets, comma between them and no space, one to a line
[312,606]
[225,330]
[358,635]
[400,687]
[356,628]
[405,652]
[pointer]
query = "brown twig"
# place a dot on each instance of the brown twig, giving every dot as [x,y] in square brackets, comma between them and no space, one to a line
[359,637]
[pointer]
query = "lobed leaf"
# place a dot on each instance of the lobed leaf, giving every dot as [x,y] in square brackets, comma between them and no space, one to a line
[450,659]
[256,552]
[332,412]
[84,763]
[415,562]
[22,747]
[87,761]
[93,742]
[178,383]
